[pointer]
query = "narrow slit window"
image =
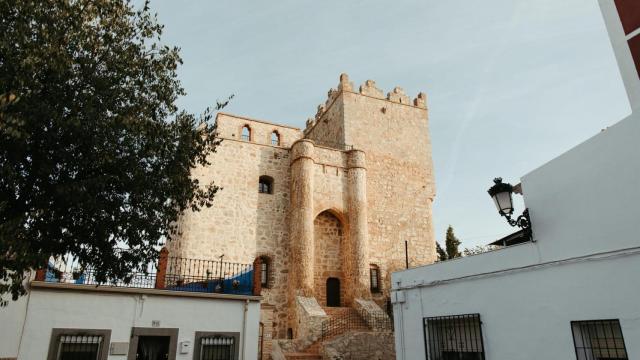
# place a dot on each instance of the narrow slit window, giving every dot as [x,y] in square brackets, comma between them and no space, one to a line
[374,274]
[275,138]
[264,272]
[246,133]
[265,185]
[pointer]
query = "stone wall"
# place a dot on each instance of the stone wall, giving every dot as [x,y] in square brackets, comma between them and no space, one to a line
[309,316]
[330,181]
[400,185]
[230,127]
[327,126]
[243,224]
[393,132]
[379,204]
[360,346]
[266,326]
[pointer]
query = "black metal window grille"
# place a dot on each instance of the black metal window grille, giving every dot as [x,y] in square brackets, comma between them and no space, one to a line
[246,133]
[217,348]
[374,275]
[598,340]
[79,347]
[455,337]
[265,185]
[275,138]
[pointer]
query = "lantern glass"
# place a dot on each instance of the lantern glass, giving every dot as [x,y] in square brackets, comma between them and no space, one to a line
[504,202]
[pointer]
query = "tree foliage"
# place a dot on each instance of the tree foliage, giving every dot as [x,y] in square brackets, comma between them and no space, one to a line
[478,249]
[94,153]
[451,244]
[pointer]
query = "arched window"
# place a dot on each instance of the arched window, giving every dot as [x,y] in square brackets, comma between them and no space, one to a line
[246,133]
[265,185]
[275,138]
[265,264]
[374,274]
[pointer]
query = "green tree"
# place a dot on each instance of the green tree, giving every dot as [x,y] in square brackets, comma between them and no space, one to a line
[451,244]
[442,255]
[94,153]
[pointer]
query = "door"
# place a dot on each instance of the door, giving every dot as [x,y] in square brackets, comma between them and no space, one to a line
[153,348]
[333,292]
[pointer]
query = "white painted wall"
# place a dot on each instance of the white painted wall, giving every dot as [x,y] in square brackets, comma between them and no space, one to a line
[11,322]
[49,309]
[527,315]
[584,265]
[586,200]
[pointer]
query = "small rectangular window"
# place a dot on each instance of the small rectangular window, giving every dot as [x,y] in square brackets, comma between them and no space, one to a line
[67,344]
[454,337]
[264,274]
[374,273]
[598,339]
[216,346]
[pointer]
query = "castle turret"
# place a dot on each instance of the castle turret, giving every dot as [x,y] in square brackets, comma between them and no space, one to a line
[358,229]
[301,225]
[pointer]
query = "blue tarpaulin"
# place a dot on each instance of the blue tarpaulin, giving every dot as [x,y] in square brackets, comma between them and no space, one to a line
[241,284]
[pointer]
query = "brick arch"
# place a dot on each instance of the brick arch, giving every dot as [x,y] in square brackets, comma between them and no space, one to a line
[241,132]
[270,137]
[269,259]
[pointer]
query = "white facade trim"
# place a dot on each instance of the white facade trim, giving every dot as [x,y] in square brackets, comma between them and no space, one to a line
[591,257]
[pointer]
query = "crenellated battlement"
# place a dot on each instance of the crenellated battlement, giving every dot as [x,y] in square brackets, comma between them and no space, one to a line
[369,88]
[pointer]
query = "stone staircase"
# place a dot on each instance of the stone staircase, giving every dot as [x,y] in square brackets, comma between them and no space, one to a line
[341,320]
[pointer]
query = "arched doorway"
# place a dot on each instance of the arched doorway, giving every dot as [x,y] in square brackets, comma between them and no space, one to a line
[333,292]
[329,241]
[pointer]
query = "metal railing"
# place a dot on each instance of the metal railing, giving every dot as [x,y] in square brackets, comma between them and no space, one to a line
[355,320]
[168,273]
[208,276]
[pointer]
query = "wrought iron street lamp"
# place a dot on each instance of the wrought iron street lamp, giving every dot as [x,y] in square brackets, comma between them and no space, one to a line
[502,195]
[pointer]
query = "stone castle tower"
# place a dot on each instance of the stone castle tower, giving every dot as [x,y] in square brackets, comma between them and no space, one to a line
[328,208]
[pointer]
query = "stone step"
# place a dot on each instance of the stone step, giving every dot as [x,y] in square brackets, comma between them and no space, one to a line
[341,320]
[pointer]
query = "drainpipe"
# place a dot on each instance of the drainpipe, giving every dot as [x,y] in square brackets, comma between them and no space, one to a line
[243,338]
[24,321]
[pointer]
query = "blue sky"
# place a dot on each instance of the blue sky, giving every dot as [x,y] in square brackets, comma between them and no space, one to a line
[511,84]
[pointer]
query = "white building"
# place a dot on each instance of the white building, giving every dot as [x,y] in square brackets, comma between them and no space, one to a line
[197,318]
[571,293]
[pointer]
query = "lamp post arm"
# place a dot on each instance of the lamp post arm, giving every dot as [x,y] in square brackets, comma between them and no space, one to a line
[523,221]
